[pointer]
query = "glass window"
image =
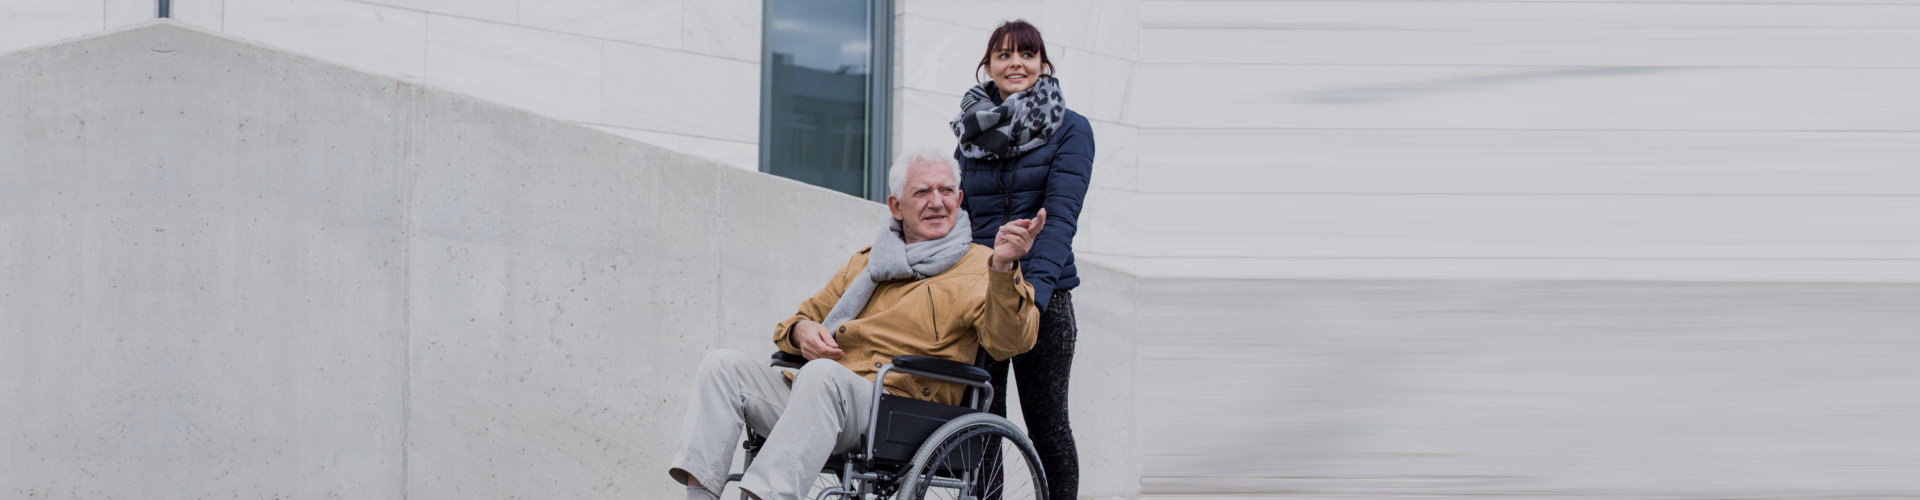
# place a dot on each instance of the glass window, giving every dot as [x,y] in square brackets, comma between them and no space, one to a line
[823,93]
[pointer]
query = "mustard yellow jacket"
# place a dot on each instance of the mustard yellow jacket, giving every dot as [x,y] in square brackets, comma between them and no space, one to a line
[950,316]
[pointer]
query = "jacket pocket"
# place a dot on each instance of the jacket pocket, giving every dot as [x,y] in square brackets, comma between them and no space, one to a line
[948,315]
[898,384]
[933,314]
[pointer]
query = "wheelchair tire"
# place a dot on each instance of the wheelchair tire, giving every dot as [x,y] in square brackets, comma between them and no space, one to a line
[974,439]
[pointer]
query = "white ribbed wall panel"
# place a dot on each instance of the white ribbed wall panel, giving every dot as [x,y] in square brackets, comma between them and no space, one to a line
[1646,213]
[26,23]
[376,38]
[1524,140]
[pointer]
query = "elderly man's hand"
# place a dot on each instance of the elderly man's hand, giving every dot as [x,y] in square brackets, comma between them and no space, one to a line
[815,341]
[1014,240]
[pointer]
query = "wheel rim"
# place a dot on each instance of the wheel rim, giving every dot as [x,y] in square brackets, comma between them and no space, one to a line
[822,482]
[977,449]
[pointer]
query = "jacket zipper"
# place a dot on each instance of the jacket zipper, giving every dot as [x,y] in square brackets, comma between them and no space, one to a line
[1006,190]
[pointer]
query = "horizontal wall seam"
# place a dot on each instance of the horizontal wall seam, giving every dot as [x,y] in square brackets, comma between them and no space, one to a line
[1154,62]
[553,31]
[1472,129]
[1556,194]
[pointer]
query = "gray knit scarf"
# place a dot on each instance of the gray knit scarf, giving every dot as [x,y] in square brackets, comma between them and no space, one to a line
[1023,122]
[892,258]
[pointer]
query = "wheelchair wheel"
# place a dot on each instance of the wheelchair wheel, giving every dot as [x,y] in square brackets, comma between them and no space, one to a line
[978,456]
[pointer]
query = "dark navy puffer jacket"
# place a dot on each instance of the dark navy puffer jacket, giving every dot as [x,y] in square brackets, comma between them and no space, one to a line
[1054,176]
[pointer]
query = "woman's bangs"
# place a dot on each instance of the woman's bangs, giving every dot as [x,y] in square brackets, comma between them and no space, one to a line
[1023,38]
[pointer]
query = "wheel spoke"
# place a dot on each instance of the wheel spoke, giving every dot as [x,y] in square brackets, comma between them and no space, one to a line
[822,482]
[994,453]
[994,467]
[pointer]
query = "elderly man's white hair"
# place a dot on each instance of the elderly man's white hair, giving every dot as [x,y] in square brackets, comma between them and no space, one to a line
[897,173]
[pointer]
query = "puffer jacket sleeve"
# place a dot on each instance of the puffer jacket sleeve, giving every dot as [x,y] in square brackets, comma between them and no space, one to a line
[1067,179]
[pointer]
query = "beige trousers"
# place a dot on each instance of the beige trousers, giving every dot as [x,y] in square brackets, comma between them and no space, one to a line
[824,410]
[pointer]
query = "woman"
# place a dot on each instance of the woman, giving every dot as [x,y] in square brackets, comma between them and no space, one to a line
[1021,150]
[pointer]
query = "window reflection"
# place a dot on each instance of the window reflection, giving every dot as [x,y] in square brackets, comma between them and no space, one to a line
[817,101]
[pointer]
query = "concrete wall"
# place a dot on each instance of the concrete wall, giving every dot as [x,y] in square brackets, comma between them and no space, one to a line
[234,272]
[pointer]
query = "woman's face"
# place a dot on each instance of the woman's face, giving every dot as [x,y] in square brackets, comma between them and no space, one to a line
[1012,70]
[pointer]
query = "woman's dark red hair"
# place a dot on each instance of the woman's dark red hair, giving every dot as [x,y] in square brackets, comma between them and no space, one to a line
[1024,37]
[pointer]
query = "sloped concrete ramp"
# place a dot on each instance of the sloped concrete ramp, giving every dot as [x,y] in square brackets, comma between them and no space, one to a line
[227,271]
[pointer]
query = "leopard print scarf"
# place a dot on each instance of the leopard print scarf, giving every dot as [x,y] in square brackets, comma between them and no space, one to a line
[1024,122]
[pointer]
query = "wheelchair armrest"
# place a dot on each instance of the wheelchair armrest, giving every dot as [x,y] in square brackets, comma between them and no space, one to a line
[939,366]
[785,359]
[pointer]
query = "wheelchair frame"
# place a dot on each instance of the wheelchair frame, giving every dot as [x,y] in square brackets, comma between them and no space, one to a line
[858,472]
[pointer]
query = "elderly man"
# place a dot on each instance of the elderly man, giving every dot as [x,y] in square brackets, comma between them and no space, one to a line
[922,289]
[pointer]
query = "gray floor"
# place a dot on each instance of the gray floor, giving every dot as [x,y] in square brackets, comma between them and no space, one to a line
[1417,389]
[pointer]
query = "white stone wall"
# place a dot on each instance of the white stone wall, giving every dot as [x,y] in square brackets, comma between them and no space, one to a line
[27,23]
[1526,140]
[679,74]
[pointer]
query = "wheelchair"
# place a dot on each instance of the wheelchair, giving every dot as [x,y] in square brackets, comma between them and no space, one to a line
[924,450]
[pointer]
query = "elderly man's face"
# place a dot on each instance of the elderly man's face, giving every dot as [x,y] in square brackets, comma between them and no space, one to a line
[926,208]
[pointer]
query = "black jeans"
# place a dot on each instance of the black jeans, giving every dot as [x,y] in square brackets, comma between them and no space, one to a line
[1043,396]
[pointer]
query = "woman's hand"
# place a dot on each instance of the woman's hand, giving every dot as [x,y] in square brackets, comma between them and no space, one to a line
[1014,240]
